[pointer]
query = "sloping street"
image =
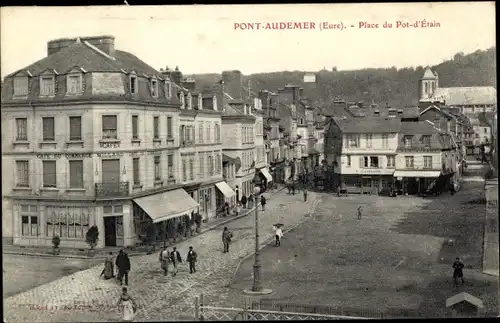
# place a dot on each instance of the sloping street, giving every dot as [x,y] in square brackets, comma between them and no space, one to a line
[83,297]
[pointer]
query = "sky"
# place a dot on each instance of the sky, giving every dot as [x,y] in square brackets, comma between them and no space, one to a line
[210,39]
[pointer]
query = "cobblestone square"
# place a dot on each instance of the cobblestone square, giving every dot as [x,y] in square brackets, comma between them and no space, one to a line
[396,259]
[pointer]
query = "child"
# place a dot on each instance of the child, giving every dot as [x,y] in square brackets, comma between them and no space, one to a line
[238,209]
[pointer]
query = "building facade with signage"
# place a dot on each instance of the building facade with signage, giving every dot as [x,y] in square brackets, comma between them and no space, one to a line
[200,133]
[363,153]
[90,136]
[426,156]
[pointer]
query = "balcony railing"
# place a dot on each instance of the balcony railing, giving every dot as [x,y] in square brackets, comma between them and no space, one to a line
[112,189]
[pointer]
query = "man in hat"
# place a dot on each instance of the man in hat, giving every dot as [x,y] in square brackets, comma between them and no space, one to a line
[458,267]
[191,259]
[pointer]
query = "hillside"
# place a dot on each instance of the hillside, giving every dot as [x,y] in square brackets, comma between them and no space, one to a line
[396,87]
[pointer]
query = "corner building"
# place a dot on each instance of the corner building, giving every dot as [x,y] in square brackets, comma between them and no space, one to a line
[90,136]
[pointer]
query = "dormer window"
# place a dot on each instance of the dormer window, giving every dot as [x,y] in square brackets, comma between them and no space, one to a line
[154,88]
[133,84]
[408,140]
[47,85]
[74,83]
[20,86]
[168,89]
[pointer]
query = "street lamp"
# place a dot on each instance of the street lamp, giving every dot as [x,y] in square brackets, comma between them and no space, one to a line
[257,282]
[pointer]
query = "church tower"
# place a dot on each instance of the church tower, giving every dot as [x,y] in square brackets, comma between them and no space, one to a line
[428,84]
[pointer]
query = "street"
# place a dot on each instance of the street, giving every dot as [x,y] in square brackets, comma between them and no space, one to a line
[83,297]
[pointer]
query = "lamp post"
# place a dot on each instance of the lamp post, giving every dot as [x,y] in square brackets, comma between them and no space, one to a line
[257,280]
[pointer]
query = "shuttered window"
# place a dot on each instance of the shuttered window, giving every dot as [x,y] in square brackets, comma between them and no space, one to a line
[48,129]
[49,173]
[109,127]
[76,173]
[75,128]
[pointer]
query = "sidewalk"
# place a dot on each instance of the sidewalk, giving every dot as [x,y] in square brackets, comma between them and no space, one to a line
[159,298]
[74,253]
[491,250]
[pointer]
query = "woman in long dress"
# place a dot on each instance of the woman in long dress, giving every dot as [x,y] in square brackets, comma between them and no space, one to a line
[128,305]
[108,270]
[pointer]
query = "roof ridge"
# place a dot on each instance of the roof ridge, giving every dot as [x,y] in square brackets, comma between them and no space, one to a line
[98,50]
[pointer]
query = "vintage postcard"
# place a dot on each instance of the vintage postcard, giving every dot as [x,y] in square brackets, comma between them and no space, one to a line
[249,162]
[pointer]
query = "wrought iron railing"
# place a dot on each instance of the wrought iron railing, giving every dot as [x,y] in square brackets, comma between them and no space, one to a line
[112,189]
[246,313]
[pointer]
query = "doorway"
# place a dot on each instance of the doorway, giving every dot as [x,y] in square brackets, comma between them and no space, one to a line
[110,231]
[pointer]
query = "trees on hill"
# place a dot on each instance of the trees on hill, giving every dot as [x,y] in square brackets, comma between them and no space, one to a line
[396,87]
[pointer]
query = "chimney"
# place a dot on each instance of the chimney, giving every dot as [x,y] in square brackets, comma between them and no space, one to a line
[233,84]
[105,43]
[56,45]
[190,84]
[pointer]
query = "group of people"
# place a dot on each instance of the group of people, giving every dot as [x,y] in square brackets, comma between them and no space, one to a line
[170,260]
[122,263]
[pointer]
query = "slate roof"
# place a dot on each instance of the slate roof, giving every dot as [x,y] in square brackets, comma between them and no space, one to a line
[420,129]
[485,119]
[477,95]
[82,55]
[368,125]
[428,74]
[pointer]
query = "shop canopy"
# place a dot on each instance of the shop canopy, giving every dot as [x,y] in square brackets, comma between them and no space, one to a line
[417,174]
[225,189]
[167,205]
[266,174]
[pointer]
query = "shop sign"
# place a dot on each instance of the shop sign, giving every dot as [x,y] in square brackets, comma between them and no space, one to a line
[109,144]
[109,155]
[48,156]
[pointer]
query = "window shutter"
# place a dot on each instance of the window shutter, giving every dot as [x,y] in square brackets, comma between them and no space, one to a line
[109,122]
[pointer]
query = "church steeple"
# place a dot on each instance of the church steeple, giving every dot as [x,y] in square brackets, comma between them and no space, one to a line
[428,84]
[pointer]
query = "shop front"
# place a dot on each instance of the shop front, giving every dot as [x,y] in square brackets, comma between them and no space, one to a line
[367,180]
[37,222]
[414,182]
[225,194]
[165,210]
[265,175]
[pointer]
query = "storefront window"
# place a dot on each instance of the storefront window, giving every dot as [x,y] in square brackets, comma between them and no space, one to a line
[29,220]
[66,222]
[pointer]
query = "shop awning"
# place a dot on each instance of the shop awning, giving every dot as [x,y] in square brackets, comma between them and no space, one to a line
[167,205]
[413,173]
[266,174]
[225,189]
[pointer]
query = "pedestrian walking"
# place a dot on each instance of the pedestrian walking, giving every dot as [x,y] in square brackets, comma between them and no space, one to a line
[238,209]
[250,201]
[123,265]
[129,307]
[359,212]
[278,234]
[164,259]
[458,267]
[263,202]
[192,259]
[175,259]
[305,194]
[293,188]
[109,270]
[226,239]
[244,201]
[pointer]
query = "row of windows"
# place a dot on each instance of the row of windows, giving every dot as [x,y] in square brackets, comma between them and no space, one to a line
[48,85]
[110,129]
[374,162]
[187,133]
[213,166]
[50,173]
[248,160]
[353,141]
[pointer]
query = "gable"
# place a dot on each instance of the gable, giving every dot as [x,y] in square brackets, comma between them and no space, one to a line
[75,70]
[48,72]
[22,74]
